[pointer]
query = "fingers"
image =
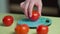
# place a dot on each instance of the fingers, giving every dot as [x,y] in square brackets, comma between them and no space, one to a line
[26,8]
[39,6]
[30,8]
[22,5]
[39,9]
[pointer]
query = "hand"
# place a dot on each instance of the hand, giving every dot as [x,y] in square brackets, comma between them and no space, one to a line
[28,5]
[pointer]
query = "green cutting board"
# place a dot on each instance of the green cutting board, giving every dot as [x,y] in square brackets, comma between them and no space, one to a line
[54,28]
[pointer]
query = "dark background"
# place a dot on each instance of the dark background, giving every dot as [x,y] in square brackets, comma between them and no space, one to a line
[50,7]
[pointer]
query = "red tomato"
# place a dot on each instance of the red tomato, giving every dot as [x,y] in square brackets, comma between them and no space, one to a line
[8,20]
[42,29]
[22,29]
[35,15]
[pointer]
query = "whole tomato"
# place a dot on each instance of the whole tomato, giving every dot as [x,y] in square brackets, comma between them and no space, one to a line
[22,29]
[35,15]
[42,29]
[8,20]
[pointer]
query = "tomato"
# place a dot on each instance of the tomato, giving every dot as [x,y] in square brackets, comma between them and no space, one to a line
[8,20]
[22,29]
[35,15]
[42,29]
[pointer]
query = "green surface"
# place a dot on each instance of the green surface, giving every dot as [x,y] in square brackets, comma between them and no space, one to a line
[53,29]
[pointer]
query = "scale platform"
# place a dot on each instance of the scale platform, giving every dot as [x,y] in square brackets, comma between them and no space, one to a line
[34,24]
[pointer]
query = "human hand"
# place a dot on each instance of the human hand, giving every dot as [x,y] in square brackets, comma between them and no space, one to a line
[28,5]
